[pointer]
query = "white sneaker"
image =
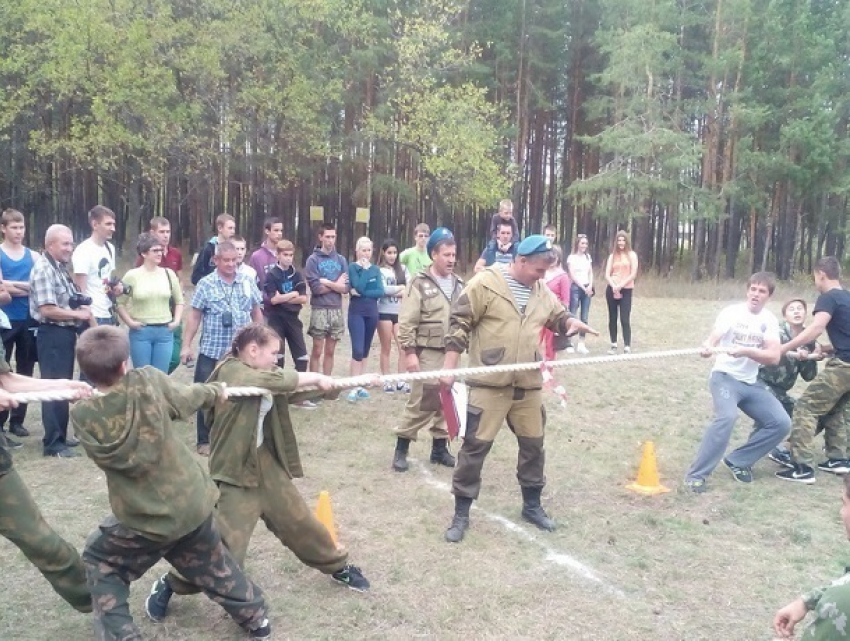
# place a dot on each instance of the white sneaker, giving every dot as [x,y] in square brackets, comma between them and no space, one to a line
[582,349]
[627,350]
[305,405]
[613,350]
[571,350]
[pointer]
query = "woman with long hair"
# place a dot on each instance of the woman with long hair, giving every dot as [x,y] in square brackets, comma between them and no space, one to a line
[395,278]
[580,271]
[367,288]
[620,271]
[558,281]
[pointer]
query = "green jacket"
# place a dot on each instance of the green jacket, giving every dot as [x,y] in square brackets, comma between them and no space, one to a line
[423,318]
[233,436]
[486,320]
[157,487]
[784,375]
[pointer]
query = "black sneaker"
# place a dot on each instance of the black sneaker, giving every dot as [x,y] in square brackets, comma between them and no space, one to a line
[156,605]
[741,474]
[352,577]
[18,430]
[63,453]
[697,486]
[799,474]
[263,631]
[781,457]
[835,466]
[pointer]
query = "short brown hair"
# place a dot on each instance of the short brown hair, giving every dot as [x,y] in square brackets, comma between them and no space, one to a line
[159,221]
[99,212]
[829,267]
[100,353]
[285,246]
[11,216]
[421,227]
[146,242]
[768,279]
[795,300]
[221,219]
[271,222]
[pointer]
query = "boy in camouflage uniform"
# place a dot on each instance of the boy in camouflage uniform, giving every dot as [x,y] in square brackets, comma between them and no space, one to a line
[423,322]
[20,519]
[831,604]
[162,498]
[781,378]
[254,458]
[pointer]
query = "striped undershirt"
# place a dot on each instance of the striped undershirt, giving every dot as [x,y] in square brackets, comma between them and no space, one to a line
[520,292]
[447,286]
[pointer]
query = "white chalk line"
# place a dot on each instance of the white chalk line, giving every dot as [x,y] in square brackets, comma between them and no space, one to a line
[553,556]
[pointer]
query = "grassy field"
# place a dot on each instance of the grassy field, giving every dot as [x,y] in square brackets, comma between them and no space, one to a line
[620,566]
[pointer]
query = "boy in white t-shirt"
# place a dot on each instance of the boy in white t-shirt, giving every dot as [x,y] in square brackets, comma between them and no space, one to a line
[94,261]
[750,333]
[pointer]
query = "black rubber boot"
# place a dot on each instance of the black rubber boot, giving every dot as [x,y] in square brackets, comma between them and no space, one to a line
[460,521]
[533,512]
[440,454]
[400,457]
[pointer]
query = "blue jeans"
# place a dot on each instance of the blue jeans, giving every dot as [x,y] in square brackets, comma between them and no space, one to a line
[151,345]
[578,297]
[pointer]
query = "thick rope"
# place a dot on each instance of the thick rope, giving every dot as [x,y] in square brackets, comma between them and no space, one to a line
[368,380]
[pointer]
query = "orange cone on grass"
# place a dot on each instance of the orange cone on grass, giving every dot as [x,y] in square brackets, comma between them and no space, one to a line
[647,479]
[325,514]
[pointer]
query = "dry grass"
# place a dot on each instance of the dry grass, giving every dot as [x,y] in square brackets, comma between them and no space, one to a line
[676,566]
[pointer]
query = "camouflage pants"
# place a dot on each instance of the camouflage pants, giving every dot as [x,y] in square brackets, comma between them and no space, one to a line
[279,503]
[116,556]
[487,410]
[423,409]
[22,523]
[826,401]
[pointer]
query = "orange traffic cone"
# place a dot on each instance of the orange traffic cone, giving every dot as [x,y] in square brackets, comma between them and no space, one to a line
[325,514]
[647,479]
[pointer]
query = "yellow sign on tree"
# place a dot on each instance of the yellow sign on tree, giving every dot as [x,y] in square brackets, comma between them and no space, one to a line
[317,214]
[361,215]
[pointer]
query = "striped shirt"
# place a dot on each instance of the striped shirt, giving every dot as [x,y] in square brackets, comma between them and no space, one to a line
[447,286]
[520,292]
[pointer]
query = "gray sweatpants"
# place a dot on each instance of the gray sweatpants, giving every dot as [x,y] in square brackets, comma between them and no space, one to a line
[754,400]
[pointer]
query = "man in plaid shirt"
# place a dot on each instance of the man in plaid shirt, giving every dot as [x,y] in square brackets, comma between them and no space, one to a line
[224,301]
[51,288]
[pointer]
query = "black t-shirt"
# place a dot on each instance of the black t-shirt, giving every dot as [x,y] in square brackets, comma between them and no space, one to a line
[836,303]
[284,282]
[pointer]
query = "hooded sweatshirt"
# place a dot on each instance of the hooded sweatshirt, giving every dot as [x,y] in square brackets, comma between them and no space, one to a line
[322,265]
[156,485]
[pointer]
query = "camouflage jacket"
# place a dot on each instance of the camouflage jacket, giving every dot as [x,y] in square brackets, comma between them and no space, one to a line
[233,436]
[157,487]
[831,605]
[423,318]
[486,320]
[784,375]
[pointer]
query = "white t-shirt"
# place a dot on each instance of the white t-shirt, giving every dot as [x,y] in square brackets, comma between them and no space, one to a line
[97,262]
[738,326]
[580,266]
[266,402]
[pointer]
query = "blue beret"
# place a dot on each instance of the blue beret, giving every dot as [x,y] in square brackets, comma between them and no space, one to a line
[535,244]
[437,236]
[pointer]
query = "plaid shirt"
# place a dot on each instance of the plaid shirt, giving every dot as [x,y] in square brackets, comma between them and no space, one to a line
[50,285]
[213,297]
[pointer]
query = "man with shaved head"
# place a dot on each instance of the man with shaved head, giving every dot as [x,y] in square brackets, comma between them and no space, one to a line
[57,306]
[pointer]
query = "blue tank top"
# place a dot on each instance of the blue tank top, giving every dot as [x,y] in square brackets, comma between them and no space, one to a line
[19,308]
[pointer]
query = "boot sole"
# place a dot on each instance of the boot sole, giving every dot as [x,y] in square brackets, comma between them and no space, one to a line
[538,526]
